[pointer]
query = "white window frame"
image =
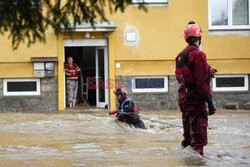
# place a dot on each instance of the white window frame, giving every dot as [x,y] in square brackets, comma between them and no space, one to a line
[150,1]
[230,25]
[146,90]
[230,89]
[24,93]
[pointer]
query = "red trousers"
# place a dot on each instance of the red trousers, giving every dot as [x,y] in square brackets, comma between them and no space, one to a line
[194,119]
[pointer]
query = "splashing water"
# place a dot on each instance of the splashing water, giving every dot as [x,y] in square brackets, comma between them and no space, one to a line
[92,138]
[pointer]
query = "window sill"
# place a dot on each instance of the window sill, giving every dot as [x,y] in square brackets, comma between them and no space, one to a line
[228,29]
[149,90]
[22,96]
[230,91]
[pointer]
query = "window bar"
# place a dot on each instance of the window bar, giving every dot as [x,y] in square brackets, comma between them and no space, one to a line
[230,13]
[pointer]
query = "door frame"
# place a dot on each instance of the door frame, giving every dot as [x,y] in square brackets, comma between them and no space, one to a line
[106,69]
[59,66]
[82,42]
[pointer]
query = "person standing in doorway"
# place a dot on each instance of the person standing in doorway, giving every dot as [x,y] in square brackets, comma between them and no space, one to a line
[193,75]
[71,71]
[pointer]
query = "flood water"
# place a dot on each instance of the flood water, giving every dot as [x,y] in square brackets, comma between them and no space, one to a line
[93,138]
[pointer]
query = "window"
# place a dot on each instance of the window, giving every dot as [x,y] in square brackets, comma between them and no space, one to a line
[229,14]
[21,87]
[150,1]
[150,84]
[230,83]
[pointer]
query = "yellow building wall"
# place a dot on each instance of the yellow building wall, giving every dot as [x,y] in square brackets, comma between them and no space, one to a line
[17,63]
[160,40]
[23,53]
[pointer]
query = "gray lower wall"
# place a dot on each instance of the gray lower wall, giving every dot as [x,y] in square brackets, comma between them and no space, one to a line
[47,101]
[168,100]
[153,101]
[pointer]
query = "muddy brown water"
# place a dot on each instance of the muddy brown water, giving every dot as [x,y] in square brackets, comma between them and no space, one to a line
[93,138]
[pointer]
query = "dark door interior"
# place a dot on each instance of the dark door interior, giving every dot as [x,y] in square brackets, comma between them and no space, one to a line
[84,57]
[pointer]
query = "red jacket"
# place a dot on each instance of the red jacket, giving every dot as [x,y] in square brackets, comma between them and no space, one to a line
[72,71]
[197,63]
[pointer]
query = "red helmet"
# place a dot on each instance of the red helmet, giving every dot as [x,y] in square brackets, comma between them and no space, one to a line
[192,30]
[120,91]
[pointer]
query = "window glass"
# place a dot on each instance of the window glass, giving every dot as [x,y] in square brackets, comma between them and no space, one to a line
[21,86]
[240,12]
[101,67]
[230,82]
[219,12]
[145,83]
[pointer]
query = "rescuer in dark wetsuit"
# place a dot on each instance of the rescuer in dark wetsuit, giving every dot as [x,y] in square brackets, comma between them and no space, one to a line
[193,75]
[127,110]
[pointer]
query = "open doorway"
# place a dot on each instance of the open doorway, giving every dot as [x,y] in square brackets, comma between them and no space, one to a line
[93,62]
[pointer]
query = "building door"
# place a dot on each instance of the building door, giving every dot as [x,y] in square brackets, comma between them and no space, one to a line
[101,77]
[91,55]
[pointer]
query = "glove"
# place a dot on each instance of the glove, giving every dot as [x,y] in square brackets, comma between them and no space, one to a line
[113,111]
[211,107]
[211,71]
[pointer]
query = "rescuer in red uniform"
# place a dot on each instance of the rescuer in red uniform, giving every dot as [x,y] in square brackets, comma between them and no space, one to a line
[194,75]
[127,110]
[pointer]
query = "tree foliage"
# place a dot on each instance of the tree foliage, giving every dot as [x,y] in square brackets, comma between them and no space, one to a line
[27,20]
